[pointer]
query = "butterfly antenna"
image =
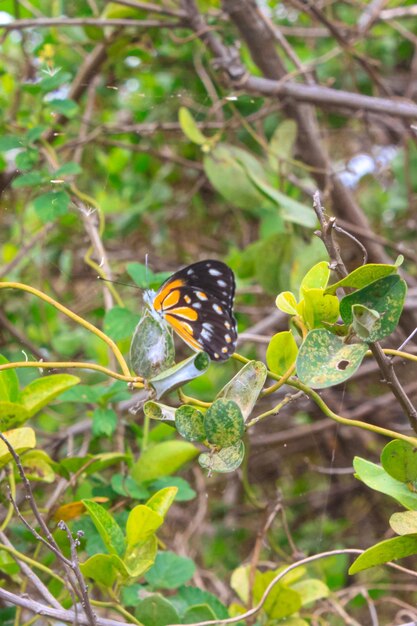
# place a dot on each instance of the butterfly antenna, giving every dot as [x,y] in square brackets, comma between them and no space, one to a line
[118,282]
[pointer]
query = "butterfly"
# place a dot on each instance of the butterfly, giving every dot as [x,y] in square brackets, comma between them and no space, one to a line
[197,302]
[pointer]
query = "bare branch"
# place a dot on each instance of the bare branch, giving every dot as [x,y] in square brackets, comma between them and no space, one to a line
[47,22]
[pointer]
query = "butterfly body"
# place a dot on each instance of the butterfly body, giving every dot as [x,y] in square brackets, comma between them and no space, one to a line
[197,302]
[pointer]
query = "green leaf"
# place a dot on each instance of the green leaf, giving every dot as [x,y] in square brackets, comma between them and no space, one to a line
[310,590]
[9,383]
[170,571]
[386,296]
[12,414]
[189,422]
[158,411]
[156,611]
[282,142]
[188,596]
[66,107]
[316,278]
[325,360]
[185,491]
[281,352]
[140,557]
[198,613]
[120,323]
[161,501]
[51,205]
[10,142]
[291,210]
[375,477]
[35,133]
[404,523]
[223,423]
[126,486]
[52,82]
[162,459]
[363,276]
[68,169]
[27,159]
[286,302]
[224,169]
[144,277]
[93,462]
[245,387]
[399,460]
[21,439]
[226,460]
[42,391]
[104,569]
[180,374]
[388,550]
[141,524]
[190,128]
[107,527]
[239,582]
[152,348]
[28,180]
[318,308]
[83,393]
[38,466]
[104,422]
[281,602]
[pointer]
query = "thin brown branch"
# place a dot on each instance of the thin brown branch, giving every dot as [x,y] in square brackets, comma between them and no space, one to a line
[20,337]
[48,22]
[398,12]
[21,255]
[61,615]
[328,97]
[77,572]
[149,7]
[385,364]
[32,577]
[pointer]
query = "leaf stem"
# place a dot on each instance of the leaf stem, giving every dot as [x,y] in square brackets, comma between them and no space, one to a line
[135,380]
[76,318]
[385,432]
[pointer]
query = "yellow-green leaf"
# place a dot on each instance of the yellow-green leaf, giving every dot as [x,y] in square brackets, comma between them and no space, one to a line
[42,391]
[21,439]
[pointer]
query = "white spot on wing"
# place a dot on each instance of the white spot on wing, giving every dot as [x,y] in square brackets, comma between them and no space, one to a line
[217,308]
[196,305]
[214,272]
[205,334]
[208,326]
[222,283]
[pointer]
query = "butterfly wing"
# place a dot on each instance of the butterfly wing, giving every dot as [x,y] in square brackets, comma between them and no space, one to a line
[197,302]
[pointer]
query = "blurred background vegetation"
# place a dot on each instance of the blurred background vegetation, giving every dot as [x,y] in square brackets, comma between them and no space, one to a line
[126,133]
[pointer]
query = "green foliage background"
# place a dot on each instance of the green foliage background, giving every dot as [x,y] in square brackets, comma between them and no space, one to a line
[151,154]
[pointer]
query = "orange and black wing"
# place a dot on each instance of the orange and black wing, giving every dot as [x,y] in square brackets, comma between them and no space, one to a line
[197,301]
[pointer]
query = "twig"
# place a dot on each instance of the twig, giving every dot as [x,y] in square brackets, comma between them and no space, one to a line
[151,8]
[385,364]
[29,345]
[278,577]
[270,516]
[48,22]
[326,235]
[76,569]
[28,571]
[21,255]
[61,615]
